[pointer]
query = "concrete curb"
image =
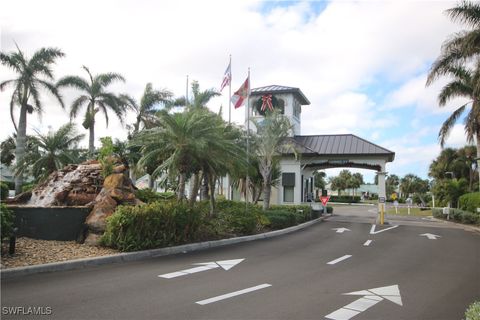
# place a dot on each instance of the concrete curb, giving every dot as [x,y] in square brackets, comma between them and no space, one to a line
[146,254]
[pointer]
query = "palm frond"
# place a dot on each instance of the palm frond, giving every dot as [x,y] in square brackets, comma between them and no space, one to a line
[467,13]
[448,125]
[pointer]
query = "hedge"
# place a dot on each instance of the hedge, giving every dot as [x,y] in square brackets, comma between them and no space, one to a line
[458,216]
[345,199]
[149,196]
[154,225]
[473,311]
[470,201]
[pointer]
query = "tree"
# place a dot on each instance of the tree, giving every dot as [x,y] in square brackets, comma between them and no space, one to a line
[319,178]
[269,143]
[53,151]
[33,74]
[412,184]
[453,62]
[97,98]
[184,142]
[342,181]
[356,181]
[391,184]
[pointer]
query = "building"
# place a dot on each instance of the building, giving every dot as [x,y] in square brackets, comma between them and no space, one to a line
[316,151]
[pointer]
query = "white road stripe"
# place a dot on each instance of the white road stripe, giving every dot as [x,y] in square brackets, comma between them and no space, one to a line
[339,259]
[372,230]
[367,243]
[233,294]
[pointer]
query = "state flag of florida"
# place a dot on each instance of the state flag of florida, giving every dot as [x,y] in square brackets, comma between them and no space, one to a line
[238,98]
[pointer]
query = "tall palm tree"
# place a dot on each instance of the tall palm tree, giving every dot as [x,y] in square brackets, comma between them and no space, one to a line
[268,145]
[147,108]
[33,74]
[54,151]
[465,83]
[97,98]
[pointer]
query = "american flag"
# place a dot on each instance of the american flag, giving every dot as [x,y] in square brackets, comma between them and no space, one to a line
[227,77]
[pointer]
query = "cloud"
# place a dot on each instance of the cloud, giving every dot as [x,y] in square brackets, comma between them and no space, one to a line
[355,60]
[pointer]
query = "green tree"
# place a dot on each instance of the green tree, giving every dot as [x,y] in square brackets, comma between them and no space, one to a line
[413,184]
[391,184]
[96,97]
[454,62]
[182,142]
[32,75]
[269,144]
[320,179]
[342,181]
[356,181]
[54,150]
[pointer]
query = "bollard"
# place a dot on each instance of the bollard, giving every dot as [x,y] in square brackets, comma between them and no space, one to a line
[13,239]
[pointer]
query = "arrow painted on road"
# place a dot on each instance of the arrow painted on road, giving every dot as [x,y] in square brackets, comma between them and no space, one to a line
[431,236]
[341,230]
[372,229]
[370,298]
[204,266]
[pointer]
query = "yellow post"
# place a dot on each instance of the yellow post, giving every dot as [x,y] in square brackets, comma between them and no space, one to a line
[382,214]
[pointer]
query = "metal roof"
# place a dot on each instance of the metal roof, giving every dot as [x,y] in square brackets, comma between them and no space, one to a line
[281,89]
[340,145]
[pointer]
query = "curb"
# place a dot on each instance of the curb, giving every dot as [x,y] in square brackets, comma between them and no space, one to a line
[146,254]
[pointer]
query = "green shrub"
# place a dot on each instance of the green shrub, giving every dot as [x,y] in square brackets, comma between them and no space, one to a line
[473,311]
[3,190]
[302,212]
[329,209]
[149,196]
[458,216]
[28,186]
[280,219]
[470,201]
[238,219]
[345,199]
[7,219]
[152,225]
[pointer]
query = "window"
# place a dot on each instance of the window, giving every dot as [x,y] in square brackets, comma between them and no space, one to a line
[288,194]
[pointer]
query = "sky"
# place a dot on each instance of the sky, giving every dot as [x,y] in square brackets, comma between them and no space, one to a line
[362,64]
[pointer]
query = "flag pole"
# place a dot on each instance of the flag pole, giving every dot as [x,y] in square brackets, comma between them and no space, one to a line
[230,93]
[229,187]
[248,140]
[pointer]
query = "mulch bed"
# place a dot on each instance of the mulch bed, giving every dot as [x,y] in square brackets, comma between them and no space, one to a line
[31,252]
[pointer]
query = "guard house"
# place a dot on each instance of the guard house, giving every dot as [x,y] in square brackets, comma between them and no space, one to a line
[316,151]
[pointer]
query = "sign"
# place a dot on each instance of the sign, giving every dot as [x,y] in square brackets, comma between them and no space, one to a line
[394,196]
[395,203]
[324,200]
[381,199]
[369,298]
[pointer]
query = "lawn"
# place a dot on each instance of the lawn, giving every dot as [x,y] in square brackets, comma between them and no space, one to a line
[415,212]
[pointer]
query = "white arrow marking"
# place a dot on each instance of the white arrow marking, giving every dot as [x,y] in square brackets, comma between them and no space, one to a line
[339,259]
[372,230]
[431,236]
[370,298]
[341,230]
[233,294]
[204,266]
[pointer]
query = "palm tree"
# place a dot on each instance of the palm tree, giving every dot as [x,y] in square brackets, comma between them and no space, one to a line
[97,98]
[465,83]
[33,74]
[147,108]
[54,151]
[269,143]
[184,142]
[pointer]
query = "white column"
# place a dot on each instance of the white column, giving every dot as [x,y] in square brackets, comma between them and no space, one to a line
[381,191]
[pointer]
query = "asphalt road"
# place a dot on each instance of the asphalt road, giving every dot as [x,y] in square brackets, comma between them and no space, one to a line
[288,278]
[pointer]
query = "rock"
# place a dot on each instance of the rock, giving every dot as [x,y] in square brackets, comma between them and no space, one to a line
[92,239]
[120,169]
[103,208]
[114,180]
[80,198]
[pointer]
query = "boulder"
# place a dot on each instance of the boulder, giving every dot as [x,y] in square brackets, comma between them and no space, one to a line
[103,208]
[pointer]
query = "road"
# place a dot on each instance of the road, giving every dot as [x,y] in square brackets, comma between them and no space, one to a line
[303,275]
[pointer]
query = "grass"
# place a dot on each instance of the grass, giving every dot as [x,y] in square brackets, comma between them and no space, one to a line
[414,212]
